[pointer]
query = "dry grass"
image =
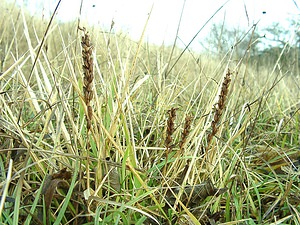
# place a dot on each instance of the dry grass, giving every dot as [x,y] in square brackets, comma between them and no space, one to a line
[102,136]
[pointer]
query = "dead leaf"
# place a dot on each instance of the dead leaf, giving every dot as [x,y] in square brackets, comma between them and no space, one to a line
[63,174]
[113,176]
[114,179]
[195,194]
[57,180]
[7,199]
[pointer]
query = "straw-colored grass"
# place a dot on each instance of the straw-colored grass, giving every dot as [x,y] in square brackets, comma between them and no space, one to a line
[92,131]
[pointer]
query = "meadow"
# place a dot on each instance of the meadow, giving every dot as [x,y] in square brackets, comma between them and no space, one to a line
[96,128]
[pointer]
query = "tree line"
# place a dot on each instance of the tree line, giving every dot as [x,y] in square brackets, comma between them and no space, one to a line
[275,44]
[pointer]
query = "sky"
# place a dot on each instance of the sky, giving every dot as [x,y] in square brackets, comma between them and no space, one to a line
[130,16]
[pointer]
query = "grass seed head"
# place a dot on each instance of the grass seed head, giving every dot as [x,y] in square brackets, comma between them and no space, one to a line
[219,107]
[88,72]
[170,127]
[186,131]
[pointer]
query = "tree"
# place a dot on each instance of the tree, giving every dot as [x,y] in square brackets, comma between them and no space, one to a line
[223,38]
[282,45]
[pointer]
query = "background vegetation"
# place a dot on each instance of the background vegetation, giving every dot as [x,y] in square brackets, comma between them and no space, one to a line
[98,129]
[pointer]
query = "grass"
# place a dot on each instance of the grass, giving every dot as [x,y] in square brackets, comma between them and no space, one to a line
[104,136]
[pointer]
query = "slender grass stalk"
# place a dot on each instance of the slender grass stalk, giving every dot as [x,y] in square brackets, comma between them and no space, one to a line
[4,193]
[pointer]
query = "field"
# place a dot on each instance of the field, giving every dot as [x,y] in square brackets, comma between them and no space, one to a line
[98,129]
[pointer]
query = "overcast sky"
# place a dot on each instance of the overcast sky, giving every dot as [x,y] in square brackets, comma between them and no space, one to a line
[130,15]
